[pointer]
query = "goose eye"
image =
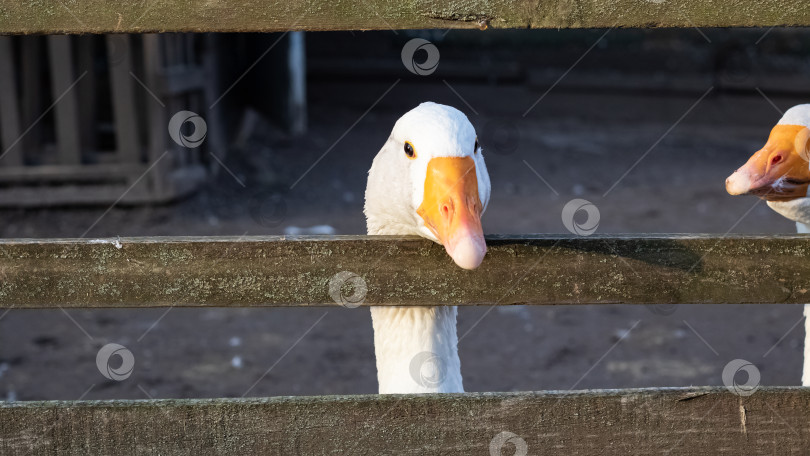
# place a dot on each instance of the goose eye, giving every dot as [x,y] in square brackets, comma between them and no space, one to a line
[477,146]
[409,150]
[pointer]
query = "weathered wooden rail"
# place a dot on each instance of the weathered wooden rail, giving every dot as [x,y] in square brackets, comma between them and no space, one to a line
[101,16]
[279,271]
[532,270]
[677,421]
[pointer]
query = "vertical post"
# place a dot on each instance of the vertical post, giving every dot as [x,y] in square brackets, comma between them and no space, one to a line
[212,90]
[297,102]
[123,98]
[88,93]
[31,81]
[10,141]
[67,112]
[157,121]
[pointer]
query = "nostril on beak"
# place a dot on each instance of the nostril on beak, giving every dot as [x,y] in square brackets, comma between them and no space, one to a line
[776,159]
[445,210]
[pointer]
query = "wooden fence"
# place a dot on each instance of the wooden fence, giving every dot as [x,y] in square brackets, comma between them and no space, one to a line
[284,271]
[100,16]
[677,421]
[278,271]
[89,154]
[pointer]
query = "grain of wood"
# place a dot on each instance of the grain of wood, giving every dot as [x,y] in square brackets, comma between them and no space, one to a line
[278,271]
[603,422]
[101,16]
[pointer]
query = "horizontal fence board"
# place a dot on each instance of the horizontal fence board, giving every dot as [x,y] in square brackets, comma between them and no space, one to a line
[678,421]
[75,173]
[102,16]
[279,271]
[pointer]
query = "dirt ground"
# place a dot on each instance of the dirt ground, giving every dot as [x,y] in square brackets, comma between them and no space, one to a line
[580,143]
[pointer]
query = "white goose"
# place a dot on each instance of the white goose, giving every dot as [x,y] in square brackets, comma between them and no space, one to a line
[430,180]
[779,173]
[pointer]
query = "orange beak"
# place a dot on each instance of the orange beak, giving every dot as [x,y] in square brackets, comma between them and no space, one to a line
[451,209]
[777,172]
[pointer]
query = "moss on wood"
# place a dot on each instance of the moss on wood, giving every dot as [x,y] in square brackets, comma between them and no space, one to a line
[102,16]
[274,271]
[683,421]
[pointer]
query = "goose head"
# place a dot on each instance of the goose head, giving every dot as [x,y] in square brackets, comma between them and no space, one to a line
[430,179]
[779,171]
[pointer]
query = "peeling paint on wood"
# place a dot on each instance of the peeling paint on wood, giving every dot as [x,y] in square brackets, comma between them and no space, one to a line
[278,271]
[603,422]
[101,16]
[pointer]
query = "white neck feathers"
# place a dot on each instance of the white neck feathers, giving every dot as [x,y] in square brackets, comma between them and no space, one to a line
[797,210]
[417,350]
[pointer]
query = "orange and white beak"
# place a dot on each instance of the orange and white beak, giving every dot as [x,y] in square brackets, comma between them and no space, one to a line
[451,209]
[777,172]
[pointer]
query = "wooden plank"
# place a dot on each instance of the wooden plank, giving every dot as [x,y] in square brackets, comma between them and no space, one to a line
[122,84]
[104,172]
[216,139]
[68,131]
[10,130]
[678,421]
[279,271]
[101,16]
[73,195]
[96,191]
[33,90]
[88,92]
[157,119]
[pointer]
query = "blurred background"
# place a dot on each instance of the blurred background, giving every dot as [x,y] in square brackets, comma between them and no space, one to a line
[255,134]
